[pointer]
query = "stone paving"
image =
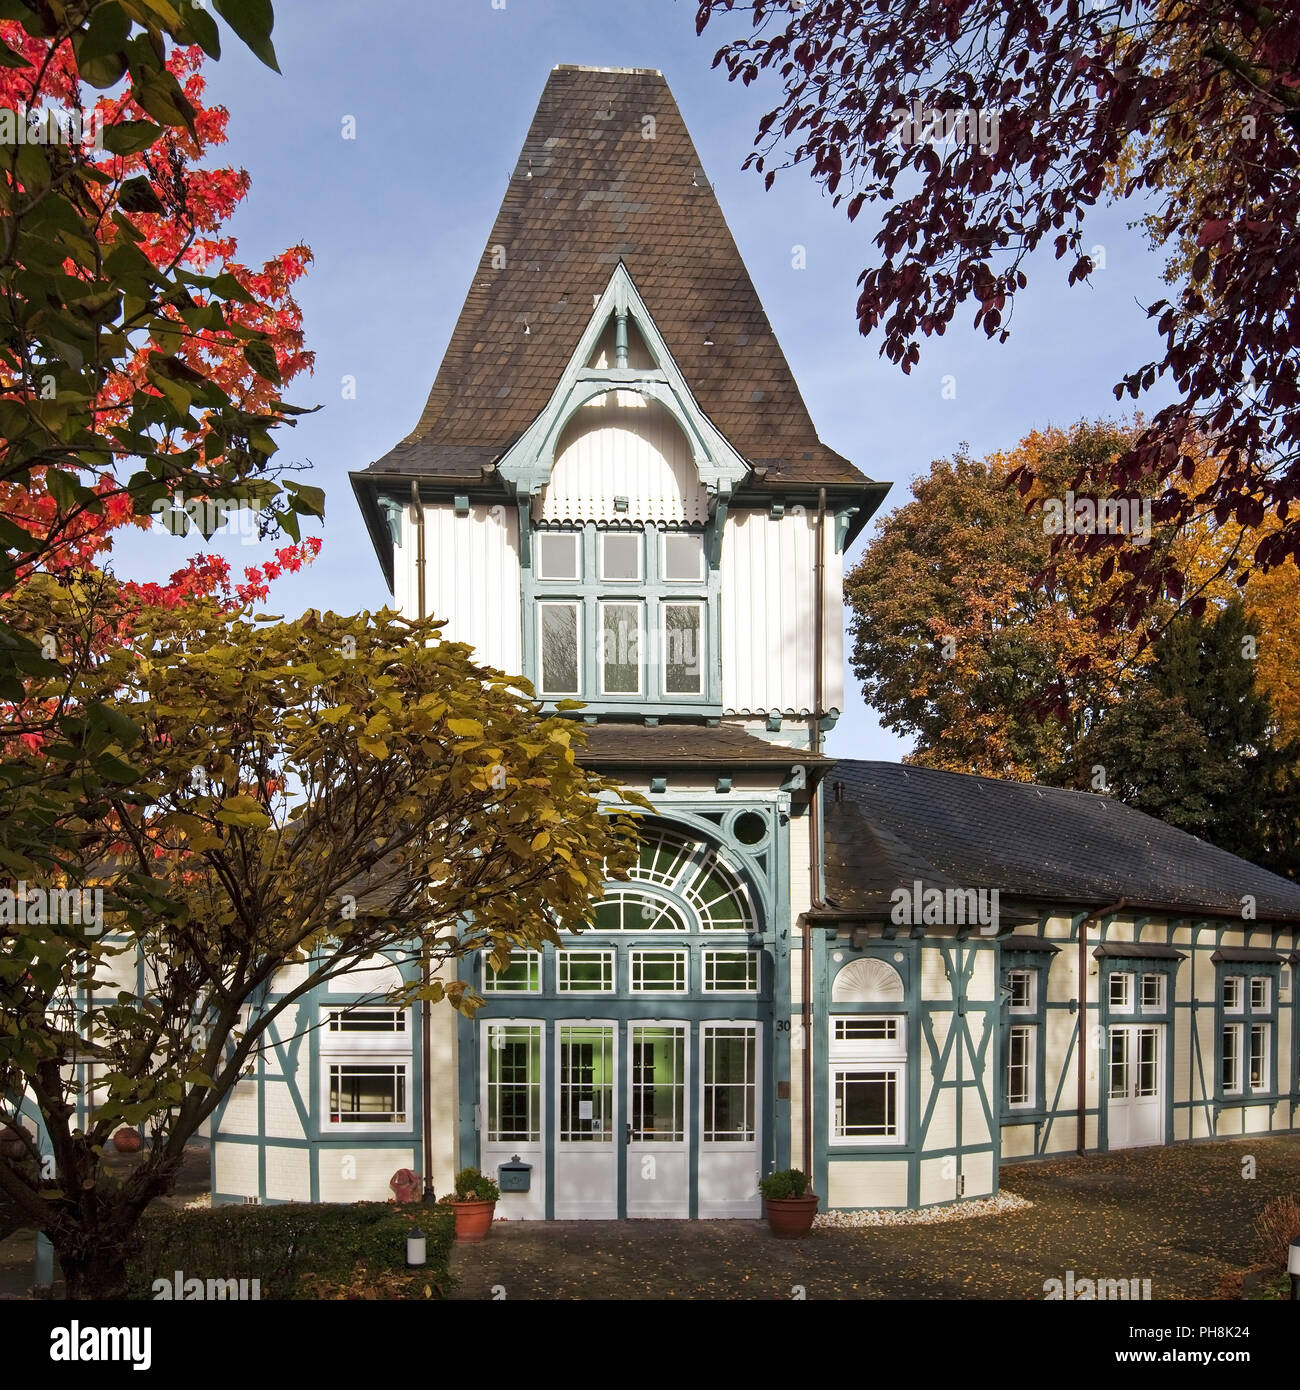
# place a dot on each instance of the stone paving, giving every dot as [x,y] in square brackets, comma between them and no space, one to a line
[1182,1217]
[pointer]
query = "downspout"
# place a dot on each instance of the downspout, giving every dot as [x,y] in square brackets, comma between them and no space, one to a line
[426,1009]
[814,826]
[1081,1067]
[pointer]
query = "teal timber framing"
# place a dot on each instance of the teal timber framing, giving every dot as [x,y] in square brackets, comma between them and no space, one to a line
[1195,1109]
[294,1046]
[765,869]
[946,1056]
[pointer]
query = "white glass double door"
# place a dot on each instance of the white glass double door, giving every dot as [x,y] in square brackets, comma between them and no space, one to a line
[641,1106]
[1135,1075]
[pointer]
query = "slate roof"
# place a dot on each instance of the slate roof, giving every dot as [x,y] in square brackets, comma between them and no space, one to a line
[661,745]
[893,824]
[588,191]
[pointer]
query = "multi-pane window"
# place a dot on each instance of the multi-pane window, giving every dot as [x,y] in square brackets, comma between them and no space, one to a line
[1120,991]
[1230,1075]
[514,1083]
[367,1093]
[658,1092]
[587,1083]
[365,1067]
[1248,1004]
[621,615]
[1021,1061]
[729,1083]
[584,972]
[868,1068]
[653,971]
[1022,1034]
[1153,993]
[522,976]
[730,972]
[1022,984]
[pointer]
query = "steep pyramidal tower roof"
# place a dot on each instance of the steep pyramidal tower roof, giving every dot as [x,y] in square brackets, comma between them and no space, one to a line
[608,173]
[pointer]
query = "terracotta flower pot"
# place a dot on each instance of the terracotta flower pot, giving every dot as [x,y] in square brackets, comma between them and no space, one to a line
[790,1217]
[126,1140]
[473,1220]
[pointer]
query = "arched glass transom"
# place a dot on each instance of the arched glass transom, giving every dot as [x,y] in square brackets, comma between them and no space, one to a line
[689,870]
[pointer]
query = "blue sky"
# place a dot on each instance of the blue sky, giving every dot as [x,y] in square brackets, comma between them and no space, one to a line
[442,92]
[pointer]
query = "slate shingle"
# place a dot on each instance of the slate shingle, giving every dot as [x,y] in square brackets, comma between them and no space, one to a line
[887,824]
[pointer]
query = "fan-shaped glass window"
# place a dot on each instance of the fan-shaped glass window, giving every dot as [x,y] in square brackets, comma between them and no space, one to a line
[691,870]
[867,981]
[628,910]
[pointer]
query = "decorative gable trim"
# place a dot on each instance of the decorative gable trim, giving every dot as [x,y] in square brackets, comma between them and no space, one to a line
[527,464]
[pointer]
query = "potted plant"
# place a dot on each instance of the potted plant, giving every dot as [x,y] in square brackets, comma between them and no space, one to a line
[789,1205]
[127,1140]
[474,1202]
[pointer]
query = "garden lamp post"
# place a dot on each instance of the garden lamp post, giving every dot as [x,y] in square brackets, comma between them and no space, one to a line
[415,1248]
[1293,1268]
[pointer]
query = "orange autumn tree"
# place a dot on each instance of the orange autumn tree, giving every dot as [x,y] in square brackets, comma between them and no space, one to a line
[972,637]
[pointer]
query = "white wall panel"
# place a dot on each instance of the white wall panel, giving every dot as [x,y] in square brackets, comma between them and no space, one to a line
[471,579]
[768,614]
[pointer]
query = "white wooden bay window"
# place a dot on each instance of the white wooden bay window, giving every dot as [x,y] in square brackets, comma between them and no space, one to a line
[622,616]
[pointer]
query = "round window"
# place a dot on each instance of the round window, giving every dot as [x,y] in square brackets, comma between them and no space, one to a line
[749,828]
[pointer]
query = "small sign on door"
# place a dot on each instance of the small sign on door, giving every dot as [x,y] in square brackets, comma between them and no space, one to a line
[584,1109]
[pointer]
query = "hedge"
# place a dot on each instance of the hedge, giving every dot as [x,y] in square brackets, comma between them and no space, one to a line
[297,1250]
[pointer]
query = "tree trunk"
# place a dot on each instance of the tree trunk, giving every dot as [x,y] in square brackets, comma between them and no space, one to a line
[97,1274]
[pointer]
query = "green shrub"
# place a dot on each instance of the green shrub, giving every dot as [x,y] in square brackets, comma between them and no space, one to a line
[789,1182]
[472,1186]
[296,1250]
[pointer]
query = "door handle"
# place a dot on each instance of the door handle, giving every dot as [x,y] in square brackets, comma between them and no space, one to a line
[629,1134]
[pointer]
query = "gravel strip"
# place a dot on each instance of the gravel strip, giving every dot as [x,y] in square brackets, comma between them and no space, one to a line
[926,1216]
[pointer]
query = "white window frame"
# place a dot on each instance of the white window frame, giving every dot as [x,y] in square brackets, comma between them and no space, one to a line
[609,962]
[576,538]
[879,1057]
[538,1117]
[334,1040]
[1264,1028]
[1237,1032]
[661,631]
[1162,985]
[533,959]
[1233,996]
[1031,979]
[543,688]
[1125,1006]
[592,1140]
[1267,1005]
[372,1059]
[639,656]
[639,576]
[697,578]
[1030,1031]
[748,1143]
[682,969]
[708,966]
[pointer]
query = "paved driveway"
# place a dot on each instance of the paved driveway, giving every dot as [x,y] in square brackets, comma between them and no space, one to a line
[1182,1217]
